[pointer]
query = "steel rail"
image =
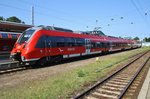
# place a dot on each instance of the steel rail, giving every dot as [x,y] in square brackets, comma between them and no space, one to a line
[10,67]
[78,96]
[133,78]
[7,66]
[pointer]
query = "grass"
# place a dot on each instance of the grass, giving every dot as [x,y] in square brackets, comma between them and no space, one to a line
[64,85]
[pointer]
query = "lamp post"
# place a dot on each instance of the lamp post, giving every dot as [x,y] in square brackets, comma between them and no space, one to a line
[32,15]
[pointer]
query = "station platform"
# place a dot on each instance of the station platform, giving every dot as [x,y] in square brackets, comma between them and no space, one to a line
[145,90]
[5,61]
[4,57]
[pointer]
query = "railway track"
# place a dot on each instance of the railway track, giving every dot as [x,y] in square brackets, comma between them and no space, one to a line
[116,85]
[14,66]
[8,67]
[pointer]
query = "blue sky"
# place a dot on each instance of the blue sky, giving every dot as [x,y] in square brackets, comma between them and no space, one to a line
[82,15]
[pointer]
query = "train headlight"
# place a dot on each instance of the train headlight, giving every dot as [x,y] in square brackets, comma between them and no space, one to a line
[18,51]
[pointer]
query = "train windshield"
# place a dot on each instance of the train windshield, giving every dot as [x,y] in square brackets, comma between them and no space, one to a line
[25,36]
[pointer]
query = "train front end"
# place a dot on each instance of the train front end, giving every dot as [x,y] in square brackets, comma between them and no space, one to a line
[21,45]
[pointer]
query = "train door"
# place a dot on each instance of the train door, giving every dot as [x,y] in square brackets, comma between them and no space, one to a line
[47,44]
[111,46]
[87,46]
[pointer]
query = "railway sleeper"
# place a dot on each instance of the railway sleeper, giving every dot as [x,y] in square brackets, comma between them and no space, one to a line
[133,87]
[129,94]
[111,88]
[120,80]
[103,96]
[114,85]
[9,66]
[104,91]
[131,90]
[119,83]
[135,84]
[89,97]
[123,75]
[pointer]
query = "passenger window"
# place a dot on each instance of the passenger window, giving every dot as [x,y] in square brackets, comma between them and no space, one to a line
[60,42]
[41,42]
[80,42]
[14,36]
[70,42]
[4,35]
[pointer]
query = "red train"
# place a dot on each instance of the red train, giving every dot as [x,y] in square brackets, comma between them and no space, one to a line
[42,44]
[7,41]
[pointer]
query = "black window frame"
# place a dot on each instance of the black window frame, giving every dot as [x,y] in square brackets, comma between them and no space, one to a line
[59,41]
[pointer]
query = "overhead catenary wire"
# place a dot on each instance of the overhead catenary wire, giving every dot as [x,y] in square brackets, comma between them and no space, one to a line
[42,13]
[17,8]
[141,13]
[39,13]
[10,6]
[62,13]
[54,10]
[76,20]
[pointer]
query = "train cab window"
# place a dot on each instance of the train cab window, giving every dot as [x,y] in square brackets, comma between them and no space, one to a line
[4,35]
[25,36]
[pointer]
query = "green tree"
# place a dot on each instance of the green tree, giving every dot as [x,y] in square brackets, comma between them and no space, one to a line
[2,18]
[23,22]
[14,19]
[147,39]
[136,38]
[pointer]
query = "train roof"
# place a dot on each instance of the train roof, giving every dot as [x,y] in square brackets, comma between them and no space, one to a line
[13,26]
[97,33]
[55,28]
[93,35]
